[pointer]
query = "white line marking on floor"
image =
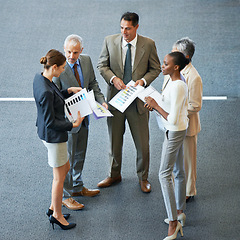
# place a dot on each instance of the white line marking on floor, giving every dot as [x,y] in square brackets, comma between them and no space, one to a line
[211,98]
[215,98]
[16,99]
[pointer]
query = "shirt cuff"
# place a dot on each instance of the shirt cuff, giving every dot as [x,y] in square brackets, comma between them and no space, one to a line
[145,82]
[111,80]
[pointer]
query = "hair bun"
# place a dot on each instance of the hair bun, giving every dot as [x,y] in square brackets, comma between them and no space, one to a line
[43,60]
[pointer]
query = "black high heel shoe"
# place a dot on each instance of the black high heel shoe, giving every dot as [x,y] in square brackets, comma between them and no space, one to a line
[50,212]
[189,199]
[64,227]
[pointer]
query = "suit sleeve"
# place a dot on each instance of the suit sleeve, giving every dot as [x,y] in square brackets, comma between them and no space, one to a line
[93,85]
[48,114]
[104,63]
[154,66]
[194,95]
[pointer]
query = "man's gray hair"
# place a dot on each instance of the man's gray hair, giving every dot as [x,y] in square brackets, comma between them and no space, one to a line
[186,46]
[75,39]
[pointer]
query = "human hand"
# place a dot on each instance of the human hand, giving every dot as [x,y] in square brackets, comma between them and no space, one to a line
[74,89]
[105,105]
[118,83]
[150,103]
[148,107]
[78,121]
[139,82]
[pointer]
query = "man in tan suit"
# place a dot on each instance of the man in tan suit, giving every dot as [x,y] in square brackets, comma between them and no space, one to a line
[144,68]
[194,82]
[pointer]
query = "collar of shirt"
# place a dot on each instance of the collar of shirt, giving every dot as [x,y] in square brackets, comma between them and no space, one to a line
[182,77]
[133,42]
[133,49]
[71,65]
[79,71]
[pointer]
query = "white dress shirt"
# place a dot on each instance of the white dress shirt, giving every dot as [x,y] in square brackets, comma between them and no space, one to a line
[133,53]
[125,48]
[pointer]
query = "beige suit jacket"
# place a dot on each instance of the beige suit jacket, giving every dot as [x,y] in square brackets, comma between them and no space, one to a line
[146,63]
[194,83]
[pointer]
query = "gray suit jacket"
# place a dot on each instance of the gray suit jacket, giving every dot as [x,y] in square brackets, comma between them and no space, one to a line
[146,63]
[195,91]
[67,79]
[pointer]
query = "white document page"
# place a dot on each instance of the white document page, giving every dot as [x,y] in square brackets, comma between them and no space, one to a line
[98,109]
[101,111]
[152,92]
[91,99]
[75,103]
[126,96]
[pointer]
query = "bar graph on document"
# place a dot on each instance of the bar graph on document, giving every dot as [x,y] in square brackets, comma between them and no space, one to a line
[75,103]
[99,110]
[126,96]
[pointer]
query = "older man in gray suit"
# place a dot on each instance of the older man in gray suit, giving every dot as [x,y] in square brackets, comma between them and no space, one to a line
[124,57]
[78,72]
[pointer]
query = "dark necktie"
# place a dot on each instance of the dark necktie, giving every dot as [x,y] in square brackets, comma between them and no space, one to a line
[128,66]
[76,74]
[85,120]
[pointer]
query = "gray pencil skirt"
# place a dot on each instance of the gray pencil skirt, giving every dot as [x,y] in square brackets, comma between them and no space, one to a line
[57,153]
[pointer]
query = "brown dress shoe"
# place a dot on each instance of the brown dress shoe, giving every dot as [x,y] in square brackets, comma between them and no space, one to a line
[107,182]
[145,186]
[71,204]
[87,192]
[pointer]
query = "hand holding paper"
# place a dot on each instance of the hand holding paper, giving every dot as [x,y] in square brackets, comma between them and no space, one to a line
[74,89]
[99,110]
[126,96]
[118,83]
[150,103]
[75,103]
[84,102]
[78,121]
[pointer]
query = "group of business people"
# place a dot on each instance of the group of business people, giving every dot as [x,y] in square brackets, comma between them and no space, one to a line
[124,57]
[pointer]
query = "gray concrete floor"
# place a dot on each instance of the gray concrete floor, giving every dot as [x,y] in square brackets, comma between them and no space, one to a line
[28,30]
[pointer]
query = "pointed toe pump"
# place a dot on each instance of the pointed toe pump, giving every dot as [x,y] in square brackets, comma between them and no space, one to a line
[53,221]
[50,212]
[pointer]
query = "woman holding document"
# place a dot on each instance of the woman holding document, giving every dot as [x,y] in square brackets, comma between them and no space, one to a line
[173,108]
[52,127]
